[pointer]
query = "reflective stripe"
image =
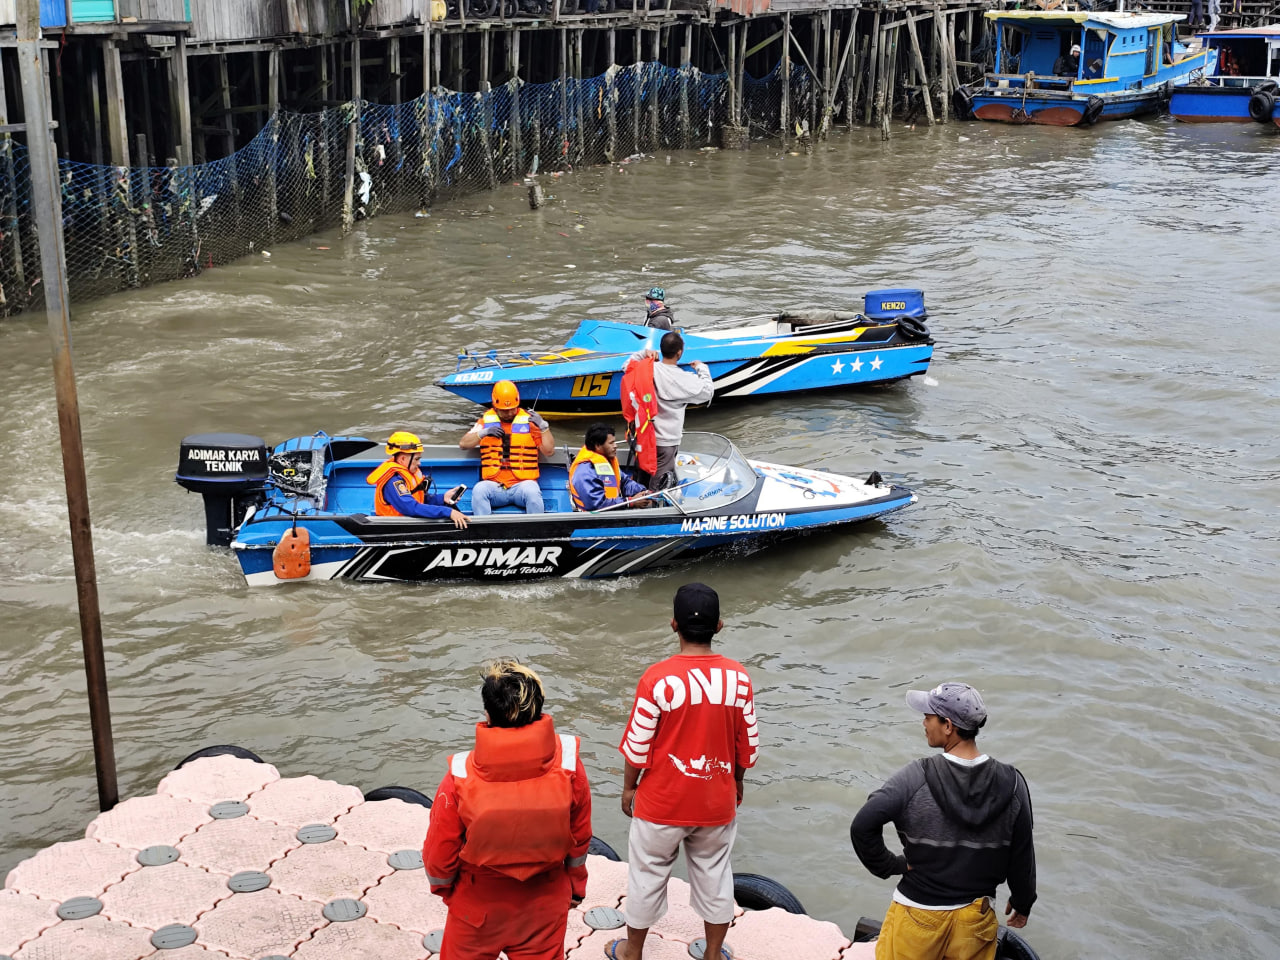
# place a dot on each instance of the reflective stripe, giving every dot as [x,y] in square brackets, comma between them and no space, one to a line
[568,752]
[441,881]
[458,765]
[575,861]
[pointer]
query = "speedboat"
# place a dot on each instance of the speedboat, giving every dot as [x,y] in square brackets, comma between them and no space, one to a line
[1128,64]
[304,511]
[1245,84]
[779,353]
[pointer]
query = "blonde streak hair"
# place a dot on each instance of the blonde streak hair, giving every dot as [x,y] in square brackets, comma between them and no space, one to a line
[530,682]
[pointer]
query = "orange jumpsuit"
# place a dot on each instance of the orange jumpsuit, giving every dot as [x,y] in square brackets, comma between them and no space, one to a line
[507,846]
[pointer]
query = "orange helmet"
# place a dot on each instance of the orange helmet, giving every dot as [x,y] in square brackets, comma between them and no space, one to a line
[505,395]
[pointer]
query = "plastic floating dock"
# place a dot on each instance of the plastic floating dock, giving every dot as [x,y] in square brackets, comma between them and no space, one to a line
[230,861]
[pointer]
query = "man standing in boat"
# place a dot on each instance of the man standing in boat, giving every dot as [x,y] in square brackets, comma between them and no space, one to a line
[510,826]
[676,389]
[510,439]
[595,479]
[656,312]
[399,488]
[965,824]
[691,737]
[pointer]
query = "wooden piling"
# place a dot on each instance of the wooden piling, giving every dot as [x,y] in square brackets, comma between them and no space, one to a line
[562,67]
[486,107]
[944,93]
[784,117]
[873,71]
[637,90]
[611,95]
[180,91]
[853,75]
[829,89]
[580,155]
[513,71]
[655,138]
[353,121]
[686,68]
[921,73]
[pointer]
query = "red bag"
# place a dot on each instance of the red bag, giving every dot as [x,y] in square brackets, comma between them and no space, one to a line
[640,406]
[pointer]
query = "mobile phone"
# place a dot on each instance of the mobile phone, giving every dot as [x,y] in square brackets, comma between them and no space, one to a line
[456,493]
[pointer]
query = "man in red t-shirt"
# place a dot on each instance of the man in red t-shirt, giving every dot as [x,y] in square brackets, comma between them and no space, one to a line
[691,737]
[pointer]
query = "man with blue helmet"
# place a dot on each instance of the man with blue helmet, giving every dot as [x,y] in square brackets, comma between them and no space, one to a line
[657,313]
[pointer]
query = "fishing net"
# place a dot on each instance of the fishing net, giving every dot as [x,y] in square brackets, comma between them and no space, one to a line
[128,227]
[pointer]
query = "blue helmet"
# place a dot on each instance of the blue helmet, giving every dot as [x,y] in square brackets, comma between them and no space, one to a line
[656,293]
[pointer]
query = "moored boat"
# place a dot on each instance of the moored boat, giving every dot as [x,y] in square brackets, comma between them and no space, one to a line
[1243,87]
[789,352]
[309,495]
[1073,68]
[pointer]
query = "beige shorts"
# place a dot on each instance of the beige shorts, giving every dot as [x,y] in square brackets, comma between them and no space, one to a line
[652,850]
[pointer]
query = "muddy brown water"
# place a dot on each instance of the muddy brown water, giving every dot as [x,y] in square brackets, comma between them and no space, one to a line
[1094,450]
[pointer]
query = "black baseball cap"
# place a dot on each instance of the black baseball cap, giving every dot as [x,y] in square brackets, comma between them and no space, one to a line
[697,611]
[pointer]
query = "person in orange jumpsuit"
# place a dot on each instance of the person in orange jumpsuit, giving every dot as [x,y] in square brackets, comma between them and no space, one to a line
[510,826]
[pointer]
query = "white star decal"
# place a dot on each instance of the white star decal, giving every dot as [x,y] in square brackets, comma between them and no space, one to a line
[837,367]
[875,364]
[856,365]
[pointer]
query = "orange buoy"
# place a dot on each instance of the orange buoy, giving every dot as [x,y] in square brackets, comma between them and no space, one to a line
[292,555]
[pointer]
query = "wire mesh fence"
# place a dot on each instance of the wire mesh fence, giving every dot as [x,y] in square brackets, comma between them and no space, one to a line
[128,227]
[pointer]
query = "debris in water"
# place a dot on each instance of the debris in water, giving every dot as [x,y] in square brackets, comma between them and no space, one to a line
[267,254]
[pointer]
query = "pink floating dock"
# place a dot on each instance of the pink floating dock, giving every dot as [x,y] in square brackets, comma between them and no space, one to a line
[230,861]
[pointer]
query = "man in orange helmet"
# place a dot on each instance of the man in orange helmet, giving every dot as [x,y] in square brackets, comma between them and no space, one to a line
[399,488]
[510,828]
[510,439]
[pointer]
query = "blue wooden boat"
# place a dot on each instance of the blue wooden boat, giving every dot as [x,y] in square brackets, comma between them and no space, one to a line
[1244,85]
[1128,65]
[757,356]
[254,499]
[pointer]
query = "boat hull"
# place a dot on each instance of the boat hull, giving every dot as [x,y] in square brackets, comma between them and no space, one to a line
[594,388]
[575,546]
[1215,104]
[1058,112]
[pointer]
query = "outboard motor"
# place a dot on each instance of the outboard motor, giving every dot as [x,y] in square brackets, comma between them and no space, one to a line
[893,303]
[229,469]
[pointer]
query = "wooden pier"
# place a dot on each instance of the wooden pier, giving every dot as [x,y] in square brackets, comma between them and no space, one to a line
[190,81]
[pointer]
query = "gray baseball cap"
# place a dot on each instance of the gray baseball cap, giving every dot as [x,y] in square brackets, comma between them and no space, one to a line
[957,702]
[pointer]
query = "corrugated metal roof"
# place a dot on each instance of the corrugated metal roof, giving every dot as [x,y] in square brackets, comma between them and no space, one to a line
[1119,21]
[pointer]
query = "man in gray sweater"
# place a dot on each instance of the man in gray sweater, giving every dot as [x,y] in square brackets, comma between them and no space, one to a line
[965,824]
[676,389]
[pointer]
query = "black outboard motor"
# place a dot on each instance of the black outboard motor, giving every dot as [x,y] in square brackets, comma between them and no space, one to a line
[229,469]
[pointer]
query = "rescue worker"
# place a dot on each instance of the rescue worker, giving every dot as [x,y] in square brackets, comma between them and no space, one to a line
[595,479]
[657,313]
[399,487]
[510,826]
[676,389]
[510,439]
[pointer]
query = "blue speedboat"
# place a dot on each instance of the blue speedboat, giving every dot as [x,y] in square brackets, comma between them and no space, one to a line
[759,356]
[1244,85]
[255,500]
[1128,64]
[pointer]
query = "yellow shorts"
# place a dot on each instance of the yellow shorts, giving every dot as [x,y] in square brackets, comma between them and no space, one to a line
[910,933]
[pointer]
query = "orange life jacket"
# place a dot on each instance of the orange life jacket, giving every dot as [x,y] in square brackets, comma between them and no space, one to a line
[515,796]
[606,469]
[379,477]
[512,458]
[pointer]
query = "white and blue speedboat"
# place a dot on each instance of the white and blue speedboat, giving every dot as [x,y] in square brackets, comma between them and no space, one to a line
[310,495]
[790,352]
[1128,64]
[1243,87]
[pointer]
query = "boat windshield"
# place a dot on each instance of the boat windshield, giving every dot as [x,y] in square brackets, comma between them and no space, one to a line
[710,474]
